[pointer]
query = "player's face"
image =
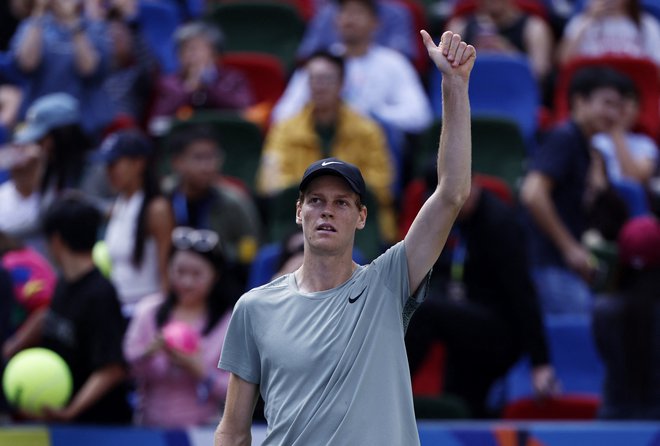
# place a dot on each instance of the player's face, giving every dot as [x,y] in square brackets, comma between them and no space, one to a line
[330,215]
[191,276]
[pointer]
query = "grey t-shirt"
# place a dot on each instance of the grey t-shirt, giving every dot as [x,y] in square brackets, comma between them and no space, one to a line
[331,365]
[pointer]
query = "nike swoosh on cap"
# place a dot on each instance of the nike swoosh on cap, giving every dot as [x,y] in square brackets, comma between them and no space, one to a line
[327,163]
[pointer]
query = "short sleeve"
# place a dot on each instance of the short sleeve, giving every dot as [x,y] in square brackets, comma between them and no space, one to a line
[554,157]
[240,354]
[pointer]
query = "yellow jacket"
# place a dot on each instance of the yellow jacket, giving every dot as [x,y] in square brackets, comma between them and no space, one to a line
[293,144]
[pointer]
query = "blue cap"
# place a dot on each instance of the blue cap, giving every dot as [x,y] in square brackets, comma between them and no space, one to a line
[123,143]
[45,114]
[336,167]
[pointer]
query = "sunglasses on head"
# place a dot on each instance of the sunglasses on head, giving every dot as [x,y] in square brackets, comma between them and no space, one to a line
[200,240]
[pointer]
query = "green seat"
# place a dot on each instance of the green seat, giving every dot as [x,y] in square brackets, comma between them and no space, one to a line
[498,149]
[266,27]
[241,140]
[281,219]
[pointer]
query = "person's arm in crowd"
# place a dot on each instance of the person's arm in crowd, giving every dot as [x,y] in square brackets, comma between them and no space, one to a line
[10,102]
[638,169]
[235,428]
[86,57]
[430,229]
[539,42]
[97,385]
[536,195]
[28,335]
[30,49]
[160,223]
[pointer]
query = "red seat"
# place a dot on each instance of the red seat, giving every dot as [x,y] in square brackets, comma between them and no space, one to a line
[536,7]
[418,16]
[264,72]
[642,71]
[428,379]
[563,407]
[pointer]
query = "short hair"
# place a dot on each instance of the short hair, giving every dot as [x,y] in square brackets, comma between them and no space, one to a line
[334,59]
[589,79]
[181,138]
[199,29]
[75,220]
[372,5]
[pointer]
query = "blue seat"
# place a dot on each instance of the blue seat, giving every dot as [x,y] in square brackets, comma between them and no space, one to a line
[158,21]
[573,354]
[501,86]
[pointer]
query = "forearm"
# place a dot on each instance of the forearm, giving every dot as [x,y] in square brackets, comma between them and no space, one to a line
[545,216]
[96,386]
[28,335]
[29,51]
[629,166]
[454,152]
[86,57]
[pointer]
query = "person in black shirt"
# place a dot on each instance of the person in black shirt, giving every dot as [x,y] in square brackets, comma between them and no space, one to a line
[482,306]
[84,324]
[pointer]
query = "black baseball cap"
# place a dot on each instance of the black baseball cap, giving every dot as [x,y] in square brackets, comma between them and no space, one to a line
[336,167]
[123,143]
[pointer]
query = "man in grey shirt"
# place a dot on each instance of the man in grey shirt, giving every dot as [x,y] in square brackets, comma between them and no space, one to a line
[324,345]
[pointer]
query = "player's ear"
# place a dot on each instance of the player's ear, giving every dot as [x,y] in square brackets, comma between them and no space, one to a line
[362,219]
[298,212]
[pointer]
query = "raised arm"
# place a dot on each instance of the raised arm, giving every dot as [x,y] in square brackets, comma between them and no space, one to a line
[429,231]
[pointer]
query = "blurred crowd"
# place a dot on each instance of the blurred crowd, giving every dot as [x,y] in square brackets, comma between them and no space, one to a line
[149,165]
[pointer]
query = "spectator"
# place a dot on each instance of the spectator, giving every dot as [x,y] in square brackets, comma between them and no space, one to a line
[327,127]
[611,27]
[395,29]
[500,26]
[83,323]
[33,282]
[175,388]
[627,327]
[291,255]
[201,82]
[141,221]
[133,69]
[554,190]
[48,157]
[203,200]
[482,305]
[379,81]
[629,155]
[59,49]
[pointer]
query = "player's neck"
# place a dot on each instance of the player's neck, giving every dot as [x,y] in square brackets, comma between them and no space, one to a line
[324,273]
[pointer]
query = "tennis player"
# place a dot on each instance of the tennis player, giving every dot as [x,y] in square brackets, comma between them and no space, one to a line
[324,345]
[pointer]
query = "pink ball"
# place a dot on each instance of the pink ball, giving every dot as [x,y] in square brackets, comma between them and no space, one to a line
[181,336]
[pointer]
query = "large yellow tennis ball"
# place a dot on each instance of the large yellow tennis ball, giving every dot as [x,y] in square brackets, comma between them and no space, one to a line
[101,258]
[35,378]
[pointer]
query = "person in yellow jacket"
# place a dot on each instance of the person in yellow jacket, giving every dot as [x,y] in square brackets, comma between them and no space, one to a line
[328,127]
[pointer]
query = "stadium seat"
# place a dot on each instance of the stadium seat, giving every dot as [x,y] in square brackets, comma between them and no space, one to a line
[500,86]
[463,7]
[158,21]
[264,72]
[498,149]
[564,407]
[266,27]
[642,71]
[419,19]
[574,357]
[241,140]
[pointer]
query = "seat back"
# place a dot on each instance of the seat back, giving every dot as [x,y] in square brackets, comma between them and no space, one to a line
[573,354]
[266,27]
[241,141]
[500,86]
[642,71]
[563,407]
[158,21]
[264,72]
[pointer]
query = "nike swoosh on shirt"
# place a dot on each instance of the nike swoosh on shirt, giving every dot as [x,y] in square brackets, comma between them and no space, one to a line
[327,163]
[352,300]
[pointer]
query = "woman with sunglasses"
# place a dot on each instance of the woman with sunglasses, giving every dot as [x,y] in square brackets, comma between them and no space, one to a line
[178,388]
